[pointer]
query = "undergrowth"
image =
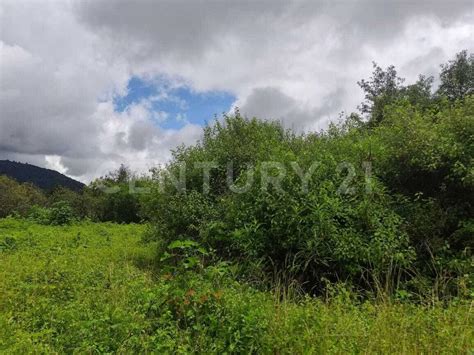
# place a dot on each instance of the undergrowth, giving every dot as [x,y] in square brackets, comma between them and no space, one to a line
[98,288]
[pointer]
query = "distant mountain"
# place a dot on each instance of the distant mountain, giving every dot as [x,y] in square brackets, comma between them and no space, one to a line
[45,179]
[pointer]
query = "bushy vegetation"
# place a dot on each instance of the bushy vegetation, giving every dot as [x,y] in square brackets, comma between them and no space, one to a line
[93,287]
[382,201]
[110,198]
[259,240]
[18,198]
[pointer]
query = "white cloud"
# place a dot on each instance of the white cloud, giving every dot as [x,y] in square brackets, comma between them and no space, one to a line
[62,63]
[54,162]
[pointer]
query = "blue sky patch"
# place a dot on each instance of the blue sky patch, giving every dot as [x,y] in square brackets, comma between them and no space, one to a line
[174,105]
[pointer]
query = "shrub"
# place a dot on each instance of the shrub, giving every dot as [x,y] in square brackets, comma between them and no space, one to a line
[326,229]
[60,213]
[380,203]
[18,198]
[110,198]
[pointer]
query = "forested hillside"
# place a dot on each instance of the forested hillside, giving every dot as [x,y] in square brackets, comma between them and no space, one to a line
[45,179]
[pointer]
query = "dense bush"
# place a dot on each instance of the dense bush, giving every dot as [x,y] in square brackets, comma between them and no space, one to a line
[114,197]
[386,203]
[321,230]
[111,198]
[18,198]
[60,213]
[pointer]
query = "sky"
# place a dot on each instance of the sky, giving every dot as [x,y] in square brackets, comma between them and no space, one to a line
[88,85]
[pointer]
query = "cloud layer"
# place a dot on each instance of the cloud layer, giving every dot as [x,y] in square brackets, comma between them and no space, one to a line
[63,64]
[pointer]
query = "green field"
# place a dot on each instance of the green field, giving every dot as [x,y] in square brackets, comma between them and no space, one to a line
[95,288]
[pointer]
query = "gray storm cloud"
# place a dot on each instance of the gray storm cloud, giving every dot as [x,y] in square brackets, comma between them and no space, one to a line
[62,64]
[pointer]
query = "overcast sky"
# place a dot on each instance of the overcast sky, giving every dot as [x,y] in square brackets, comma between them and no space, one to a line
[87,85]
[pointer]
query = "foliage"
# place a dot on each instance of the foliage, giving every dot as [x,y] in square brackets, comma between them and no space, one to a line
[111,198]
[383,200]
[114,197]
[18,198]
[102,201]
[80,203]
[93,287]
[382,89]
[457,77]
[58,214]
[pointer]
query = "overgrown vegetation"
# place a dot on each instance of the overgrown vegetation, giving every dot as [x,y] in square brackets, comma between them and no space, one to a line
[257,239]
[93,287]
[108,198]
[383,203]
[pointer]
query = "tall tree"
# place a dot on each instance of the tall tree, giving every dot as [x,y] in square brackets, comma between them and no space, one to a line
[381,89]
[457,77]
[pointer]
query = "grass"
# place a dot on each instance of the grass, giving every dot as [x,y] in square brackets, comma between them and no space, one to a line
[95,288]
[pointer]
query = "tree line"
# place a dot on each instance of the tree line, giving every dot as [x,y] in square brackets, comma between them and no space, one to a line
[105,199]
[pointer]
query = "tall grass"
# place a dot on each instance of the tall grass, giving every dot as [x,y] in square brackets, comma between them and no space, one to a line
[94,288]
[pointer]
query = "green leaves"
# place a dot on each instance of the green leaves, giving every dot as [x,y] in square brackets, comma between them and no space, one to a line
[183,254]
[58,297]
[359,199]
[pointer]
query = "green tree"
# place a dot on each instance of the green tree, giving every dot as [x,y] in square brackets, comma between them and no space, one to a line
[75,200]
[457,77]
[18,198]
[114,198]
[381,89]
